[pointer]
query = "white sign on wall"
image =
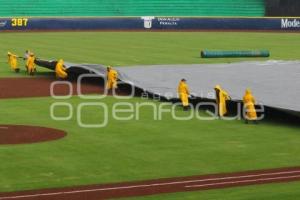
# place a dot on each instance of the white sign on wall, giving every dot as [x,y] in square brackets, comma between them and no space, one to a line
[290,23]
[148,21]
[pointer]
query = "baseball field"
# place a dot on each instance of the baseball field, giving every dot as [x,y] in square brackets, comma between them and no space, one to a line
[143,149]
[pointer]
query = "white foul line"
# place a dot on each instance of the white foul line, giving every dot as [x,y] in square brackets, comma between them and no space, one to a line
[148,185]
[245,181]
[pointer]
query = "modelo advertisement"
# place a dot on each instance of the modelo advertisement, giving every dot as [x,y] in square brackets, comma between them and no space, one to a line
[150,23]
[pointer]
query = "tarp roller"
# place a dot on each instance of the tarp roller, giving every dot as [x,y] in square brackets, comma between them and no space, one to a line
[234,54]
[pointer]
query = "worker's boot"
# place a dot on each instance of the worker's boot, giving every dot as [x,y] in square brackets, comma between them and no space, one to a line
[185,108]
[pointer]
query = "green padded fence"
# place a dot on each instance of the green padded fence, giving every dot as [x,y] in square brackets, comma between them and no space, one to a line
[132,8]
[231,54]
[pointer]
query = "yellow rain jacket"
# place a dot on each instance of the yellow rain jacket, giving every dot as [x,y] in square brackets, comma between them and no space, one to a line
[221,98]
[112,77]
[12,61]
[183,92]
[60,70]
[249,105]
[30,64]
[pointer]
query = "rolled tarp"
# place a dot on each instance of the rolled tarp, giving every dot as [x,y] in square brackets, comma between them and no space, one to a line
[234,54]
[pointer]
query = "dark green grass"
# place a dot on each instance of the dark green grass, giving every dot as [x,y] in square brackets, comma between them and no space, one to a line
[137,149]
[133,48]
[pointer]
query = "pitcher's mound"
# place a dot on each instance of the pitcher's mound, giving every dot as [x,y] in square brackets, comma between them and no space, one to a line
[19,134]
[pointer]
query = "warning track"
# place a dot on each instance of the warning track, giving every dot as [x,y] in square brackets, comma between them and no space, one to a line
[159,186]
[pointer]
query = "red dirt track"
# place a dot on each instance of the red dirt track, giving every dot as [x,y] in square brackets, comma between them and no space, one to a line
[40,87]
[152,187]
[20,134]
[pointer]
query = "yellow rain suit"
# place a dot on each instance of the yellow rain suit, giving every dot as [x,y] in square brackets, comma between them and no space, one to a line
[30,64]
[249,105]
[60,70]
[112,77]
[221,98]
[183,92]
[12,61]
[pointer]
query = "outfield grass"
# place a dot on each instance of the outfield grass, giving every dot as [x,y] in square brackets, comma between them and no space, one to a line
[133,48]
[137,149]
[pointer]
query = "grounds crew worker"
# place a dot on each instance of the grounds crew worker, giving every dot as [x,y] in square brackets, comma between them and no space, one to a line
[13,62]
[249,105]
[112,77]
[184,92]
[30,64]
[221,99]
[25,58]
[26,55]
[60,70]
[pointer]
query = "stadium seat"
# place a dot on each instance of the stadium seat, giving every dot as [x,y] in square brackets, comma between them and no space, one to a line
[132,8]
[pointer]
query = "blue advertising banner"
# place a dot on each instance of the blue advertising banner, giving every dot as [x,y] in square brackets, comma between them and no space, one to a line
[150,23]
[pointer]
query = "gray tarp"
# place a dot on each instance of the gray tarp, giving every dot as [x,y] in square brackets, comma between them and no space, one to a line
[273,83]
